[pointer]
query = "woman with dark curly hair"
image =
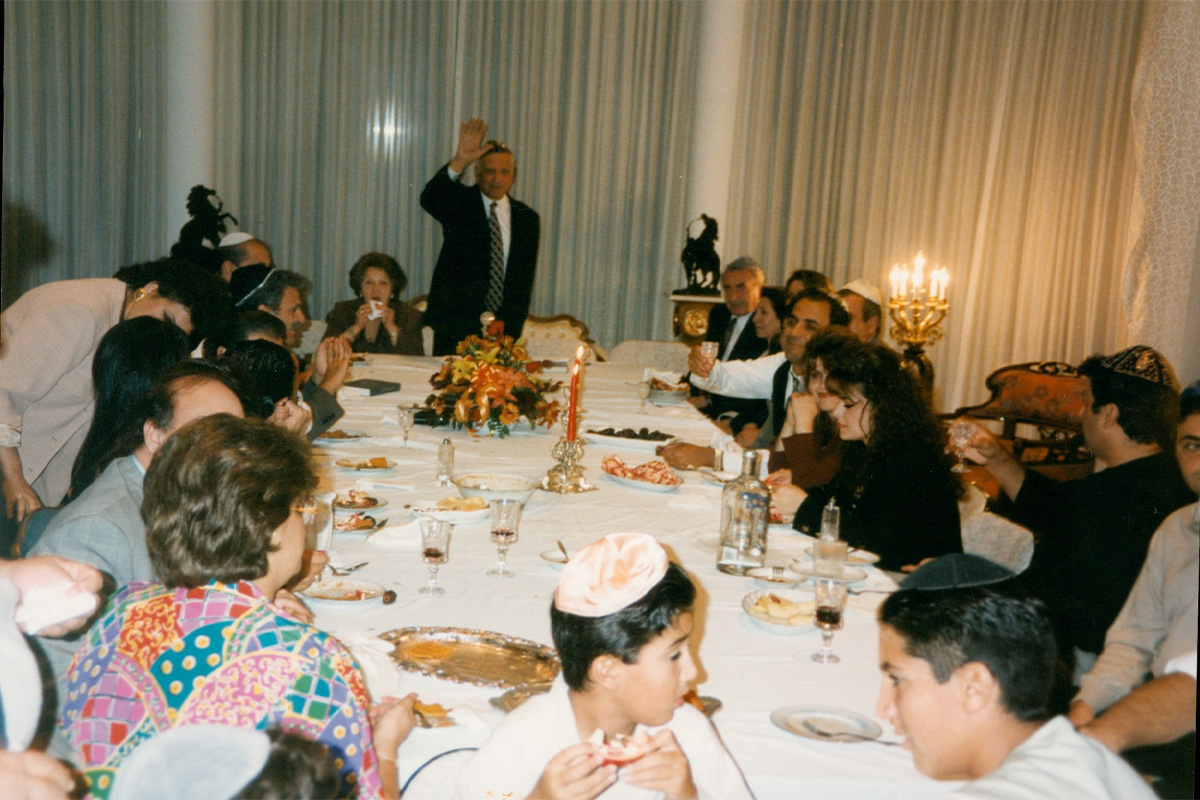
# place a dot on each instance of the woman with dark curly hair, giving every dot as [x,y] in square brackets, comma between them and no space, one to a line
[897,494]
[376,321]
[50,336]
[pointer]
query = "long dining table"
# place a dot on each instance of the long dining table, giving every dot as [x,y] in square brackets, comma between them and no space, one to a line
[751,671]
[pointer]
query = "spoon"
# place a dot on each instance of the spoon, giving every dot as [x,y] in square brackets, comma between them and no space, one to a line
[563,549]
[842,735]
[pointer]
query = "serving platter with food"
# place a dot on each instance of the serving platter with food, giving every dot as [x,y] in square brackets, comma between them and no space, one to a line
[643,440]
[481,658]
[458,510]
[781,611]
[653,476]
[373,464]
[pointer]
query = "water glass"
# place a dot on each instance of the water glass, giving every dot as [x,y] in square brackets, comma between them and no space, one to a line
[506,516]
[435,551]
[829,557]
[961,434]
[710,350]
[406,415]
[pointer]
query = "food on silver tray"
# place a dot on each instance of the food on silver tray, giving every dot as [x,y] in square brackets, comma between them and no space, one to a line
[645,434]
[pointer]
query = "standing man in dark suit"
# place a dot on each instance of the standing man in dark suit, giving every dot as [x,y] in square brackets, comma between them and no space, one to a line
[730,325]
[489,242]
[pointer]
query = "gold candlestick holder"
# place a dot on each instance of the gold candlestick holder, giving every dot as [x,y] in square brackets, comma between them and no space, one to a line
[566,477]
[917,315]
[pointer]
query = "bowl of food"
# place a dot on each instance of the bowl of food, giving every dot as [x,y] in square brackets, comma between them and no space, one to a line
[663,393]
[496,487]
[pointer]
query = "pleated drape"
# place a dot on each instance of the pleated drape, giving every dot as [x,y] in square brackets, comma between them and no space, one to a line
[992,135]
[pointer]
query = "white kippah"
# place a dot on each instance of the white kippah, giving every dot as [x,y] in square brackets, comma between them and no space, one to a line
[237,237]
[865,290]
[610,574]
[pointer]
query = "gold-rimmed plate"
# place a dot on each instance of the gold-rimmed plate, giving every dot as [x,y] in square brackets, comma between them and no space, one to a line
[481,658]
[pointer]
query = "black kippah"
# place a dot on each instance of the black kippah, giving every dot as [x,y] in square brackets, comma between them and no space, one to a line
[956,571]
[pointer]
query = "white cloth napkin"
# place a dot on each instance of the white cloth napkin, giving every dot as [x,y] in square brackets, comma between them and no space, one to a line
[406,535]
[382,676]
[43,606]
[368,484]
[695,498]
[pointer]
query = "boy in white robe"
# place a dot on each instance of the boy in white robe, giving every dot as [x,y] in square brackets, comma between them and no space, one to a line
[621,619]
[968,672]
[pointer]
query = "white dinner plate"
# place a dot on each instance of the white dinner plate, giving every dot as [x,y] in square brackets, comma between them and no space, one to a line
[330,441]
[768,578]
[555,557]
[855,557]
[327,594]
[379,503]
[455,517]
[360,465]
[379,523]
[829,719]
[645,486]
[716,476]
[804,622]
[625,443]
[849,574]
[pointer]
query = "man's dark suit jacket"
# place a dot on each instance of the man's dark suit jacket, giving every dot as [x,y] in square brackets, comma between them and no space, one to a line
[748,346]
[458,291]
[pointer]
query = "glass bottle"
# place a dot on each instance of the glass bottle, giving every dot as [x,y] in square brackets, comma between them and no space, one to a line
[745,512]
[445,464]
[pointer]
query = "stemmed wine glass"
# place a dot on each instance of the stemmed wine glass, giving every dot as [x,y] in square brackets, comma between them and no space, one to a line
[831,602]
[407,416]
[435,550]
[961,434]
[506,515]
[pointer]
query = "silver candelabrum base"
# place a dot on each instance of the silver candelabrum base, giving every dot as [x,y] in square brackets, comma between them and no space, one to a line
[566,477]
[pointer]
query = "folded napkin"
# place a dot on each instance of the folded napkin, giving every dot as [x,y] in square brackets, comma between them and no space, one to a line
[379,671]
[367,484]
[43,606]
[406,535]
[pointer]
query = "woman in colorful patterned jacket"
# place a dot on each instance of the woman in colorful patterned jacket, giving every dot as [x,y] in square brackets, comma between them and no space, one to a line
[224,505]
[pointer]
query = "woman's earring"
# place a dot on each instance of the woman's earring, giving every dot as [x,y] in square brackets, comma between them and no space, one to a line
[140,294]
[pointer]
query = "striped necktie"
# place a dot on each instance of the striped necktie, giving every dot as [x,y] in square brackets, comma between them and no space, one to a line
[495,294]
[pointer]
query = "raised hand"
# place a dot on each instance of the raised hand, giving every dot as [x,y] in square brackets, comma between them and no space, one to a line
[471,135]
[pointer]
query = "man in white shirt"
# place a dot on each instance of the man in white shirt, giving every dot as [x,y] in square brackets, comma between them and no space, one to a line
[772,378]
[967,677]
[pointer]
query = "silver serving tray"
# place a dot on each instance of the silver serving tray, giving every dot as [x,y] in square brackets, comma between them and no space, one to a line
[481,658]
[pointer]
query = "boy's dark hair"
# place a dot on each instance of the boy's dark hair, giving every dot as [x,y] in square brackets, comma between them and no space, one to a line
[297,769]
[271,369]
[1009,634]
[1146,411]
[581,640]
[838,315]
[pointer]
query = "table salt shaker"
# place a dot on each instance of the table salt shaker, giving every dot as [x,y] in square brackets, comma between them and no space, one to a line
[445,465]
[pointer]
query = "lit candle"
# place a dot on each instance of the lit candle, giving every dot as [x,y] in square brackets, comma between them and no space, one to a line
[904,282]
[918,272]
[573,401]
[942,283]
[894,279]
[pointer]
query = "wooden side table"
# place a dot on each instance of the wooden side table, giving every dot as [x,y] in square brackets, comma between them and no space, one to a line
[690,320]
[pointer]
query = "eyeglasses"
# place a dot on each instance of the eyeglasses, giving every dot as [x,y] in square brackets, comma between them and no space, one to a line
[307,509]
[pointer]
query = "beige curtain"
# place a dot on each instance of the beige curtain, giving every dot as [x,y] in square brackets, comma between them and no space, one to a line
[84,147]
[993,136]
[331,117]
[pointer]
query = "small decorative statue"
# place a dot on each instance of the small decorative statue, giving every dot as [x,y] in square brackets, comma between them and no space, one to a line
[200,235]
[701,263]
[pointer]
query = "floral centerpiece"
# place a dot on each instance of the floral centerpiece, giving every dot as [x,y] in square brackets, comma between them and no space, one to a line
[490,384]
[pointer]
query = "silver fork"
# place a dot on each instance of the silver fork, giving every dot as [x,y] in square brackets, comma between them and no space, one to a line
[824,734]
[342,572]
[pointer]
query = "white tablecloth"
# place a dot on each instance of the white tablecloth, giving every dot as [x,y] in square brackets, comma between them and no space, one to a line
[750,670]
